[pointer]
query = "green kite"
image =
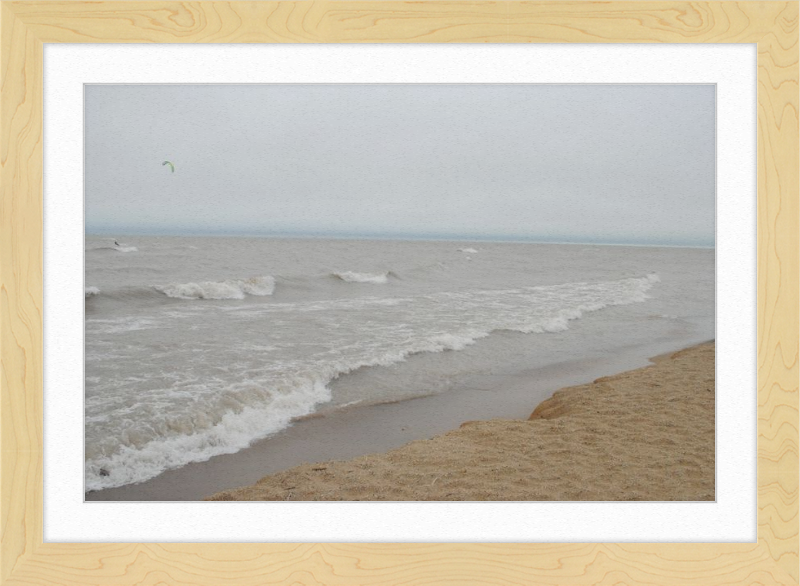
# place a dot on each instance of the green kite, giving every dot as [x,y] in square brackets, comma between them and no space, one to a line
[171,166]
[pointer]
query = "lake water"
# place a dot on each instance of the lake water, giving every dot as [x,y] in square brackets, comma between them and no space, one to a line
[198,346]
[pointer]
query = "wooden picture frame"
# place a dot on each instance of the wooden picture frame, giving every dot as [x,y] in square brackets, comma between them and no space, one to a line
[26,26]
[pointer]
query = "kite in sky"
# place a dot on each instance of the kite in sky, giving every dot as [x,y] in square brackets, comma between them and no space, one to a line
[171,166]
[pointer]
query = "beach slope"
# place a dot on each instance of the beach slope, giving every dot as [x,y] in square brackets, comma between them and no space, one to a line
[647,434]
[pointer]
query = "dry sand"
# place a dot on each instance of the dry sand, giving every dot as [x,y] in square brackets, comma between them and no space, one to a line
[647,434]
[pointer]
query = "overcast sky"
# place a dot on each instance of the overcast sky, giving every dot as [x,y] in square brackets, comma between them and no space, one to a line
[568,163]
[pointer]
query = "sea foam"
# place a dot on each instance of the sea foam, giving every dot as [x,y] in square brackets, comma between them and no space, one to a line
[374,278]
[229,289]
[191,419]
[231,432]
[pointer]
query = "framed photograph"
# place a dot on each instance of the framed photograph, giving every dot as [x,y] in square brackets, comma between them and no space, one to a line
[415,267]
[383,262]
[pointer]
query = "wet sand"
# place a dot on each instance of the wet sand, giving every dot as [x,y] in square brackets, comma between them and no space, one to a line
[646,434]
[360,431]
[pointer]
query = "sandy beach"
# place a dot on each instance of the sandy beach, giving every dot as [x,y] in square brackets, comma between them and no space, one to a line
[645,434]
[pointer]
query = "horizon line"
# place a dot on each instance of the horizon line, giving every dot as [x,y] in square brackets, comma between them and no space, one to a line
[102,232]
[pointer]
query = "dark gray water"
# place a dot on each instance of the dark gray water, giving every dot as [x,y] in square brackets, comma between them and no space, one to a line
[200,346]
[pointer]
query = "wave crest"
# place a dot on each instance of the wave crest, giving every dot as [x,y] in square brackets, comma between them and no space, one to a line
[353,277]
[228,289]
[240,412]
[224,433]
[109,249]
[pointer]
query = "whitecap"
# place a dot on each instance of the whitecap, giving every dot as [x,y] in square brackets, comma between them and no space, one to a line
[374,278]
[229,289]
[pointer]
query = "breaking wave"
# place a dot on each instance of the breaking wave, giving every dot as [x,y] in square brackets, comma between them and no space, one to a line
[121,248]
[229,289]
[218,415]
[374,278]
[224,432]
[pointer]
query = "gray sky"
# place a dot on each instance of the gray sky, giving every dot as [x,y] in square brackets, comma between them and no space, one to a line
[579,163]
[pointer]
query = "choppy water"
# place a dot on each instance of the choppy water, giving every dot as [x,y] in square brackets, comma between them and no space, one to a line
[199,346]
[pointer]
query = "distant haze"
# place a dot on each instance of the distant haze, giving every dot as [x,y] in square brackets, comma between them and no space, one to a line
[568,163]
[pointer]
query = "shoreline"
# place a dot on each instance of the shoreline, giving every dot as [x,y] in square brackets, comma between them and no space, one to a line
[362,430]
[641,435]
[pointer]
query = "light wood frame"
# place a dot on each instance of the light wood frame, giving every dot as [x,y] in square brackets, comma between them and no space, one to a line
[26,26]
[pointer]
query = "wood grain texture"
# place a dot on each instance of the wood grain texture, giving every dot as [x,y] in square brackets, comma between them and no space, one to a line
[412,22]
[25,26]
